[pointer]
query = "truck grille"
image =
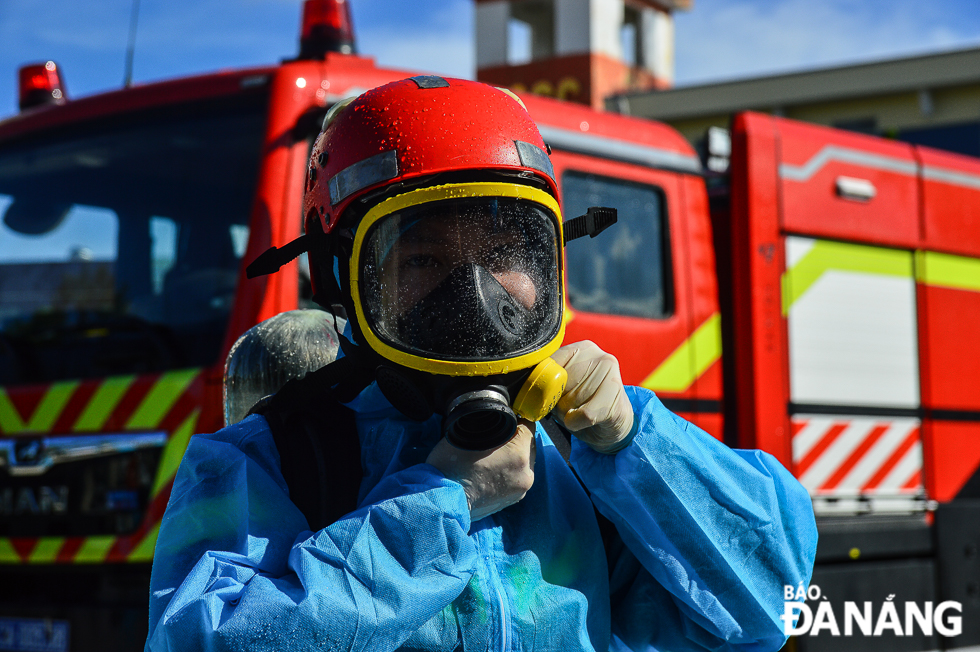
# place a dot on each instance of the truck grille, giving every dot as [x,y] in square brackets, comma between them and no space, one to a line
[76,486]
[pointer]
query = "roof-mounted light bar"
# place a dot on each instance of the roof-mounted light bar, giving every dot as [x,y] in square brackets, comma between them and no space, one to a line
[40,84]
[327,27]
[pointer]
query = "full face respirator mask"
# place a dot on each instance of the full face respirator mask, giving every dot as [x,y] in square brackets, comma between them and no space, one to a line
[457,288]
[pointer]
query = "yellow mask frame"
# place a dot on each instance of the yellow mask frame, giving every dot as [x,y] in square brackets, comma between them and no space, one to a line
[433,194]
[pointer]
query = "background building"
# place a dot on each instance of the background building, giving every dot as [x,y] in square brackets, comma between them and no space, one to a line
[578,50]
[932,100]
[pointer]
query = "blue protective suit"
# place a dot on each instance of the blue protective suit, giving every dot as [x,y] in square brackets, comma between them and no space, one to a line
[709,537]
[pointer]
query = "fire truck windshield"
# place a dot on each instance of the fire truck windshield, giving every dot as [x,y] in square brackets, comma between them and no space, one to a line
[120,241]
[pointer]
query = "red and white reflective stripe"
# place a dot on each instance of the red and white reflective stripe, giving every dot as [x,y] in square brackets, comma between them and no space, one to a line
[849,456]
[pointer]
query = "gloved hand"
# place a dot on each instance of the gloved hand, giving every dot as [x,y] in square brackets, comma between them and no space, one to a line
[492,479]
[594,406]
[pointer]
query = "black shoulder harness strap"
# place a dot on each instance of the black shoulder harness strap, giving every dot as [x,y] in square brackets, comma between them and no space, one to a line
[316,436]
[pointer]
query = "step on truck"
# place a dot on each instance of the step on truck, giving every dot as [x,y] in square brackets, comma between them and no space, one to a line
[820,301]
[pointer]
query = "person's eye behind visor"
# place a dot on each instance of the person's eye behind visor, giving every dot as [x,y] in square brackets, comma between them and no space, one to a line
[471,279]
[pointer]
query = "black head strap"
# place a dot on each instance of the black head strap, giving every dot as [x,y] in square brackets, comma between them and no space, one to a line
[595,221]
[270,260]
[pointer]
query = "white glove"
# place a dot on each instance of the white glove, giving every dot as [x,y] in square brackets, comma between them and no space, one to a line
[492,479]
[594,406]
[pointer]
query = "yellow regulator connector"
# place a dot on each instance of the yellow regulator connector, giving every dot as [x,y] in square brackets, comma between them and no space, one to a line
[541,392]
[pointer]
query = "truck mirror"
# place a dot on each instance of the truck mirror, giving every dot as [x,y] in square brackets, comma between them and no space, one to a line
[309,124]
[32,216]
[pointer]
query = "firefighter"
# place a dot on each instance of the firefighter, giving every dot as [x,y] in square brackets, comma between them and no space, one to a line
[432,214]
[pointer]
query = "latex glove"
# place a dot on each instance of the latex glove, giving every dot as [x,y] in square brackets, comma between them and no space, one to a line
[594,406]
[492,479]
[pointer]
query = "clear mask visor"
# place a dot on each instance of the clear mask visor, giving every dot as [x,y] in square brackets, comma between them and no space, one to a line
[472,279]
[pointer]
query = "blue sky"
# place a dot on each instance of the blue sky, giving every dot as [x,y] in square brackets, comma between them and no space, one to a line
[718,39]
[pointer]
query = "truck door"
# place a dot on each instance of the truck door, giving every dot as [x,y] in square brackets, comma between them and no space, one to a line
[644,290]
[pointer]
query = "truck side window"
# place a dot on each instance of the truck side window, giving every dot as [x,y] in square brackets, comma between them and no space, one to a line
[163,235]
[624,271]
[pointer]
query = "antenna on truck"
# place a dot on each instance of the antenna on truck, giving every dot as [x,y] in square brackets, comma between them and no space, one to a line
[131,46]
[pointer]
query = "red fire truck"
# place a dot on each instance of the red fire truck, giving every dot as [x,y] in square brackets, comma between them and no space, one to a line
[839,273]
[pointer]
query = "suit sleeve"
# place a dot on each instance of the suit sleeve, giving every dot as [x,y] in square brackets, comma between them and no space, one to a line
[236,567]
[711,534]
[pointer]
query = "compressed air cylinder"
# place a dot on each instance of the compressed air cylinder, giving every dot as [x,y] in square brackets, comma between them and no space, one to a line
[279,349]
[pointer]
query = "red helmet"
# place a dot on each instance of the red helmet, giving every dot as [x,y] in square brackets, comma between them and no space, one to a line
[416,128]
[432,141]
